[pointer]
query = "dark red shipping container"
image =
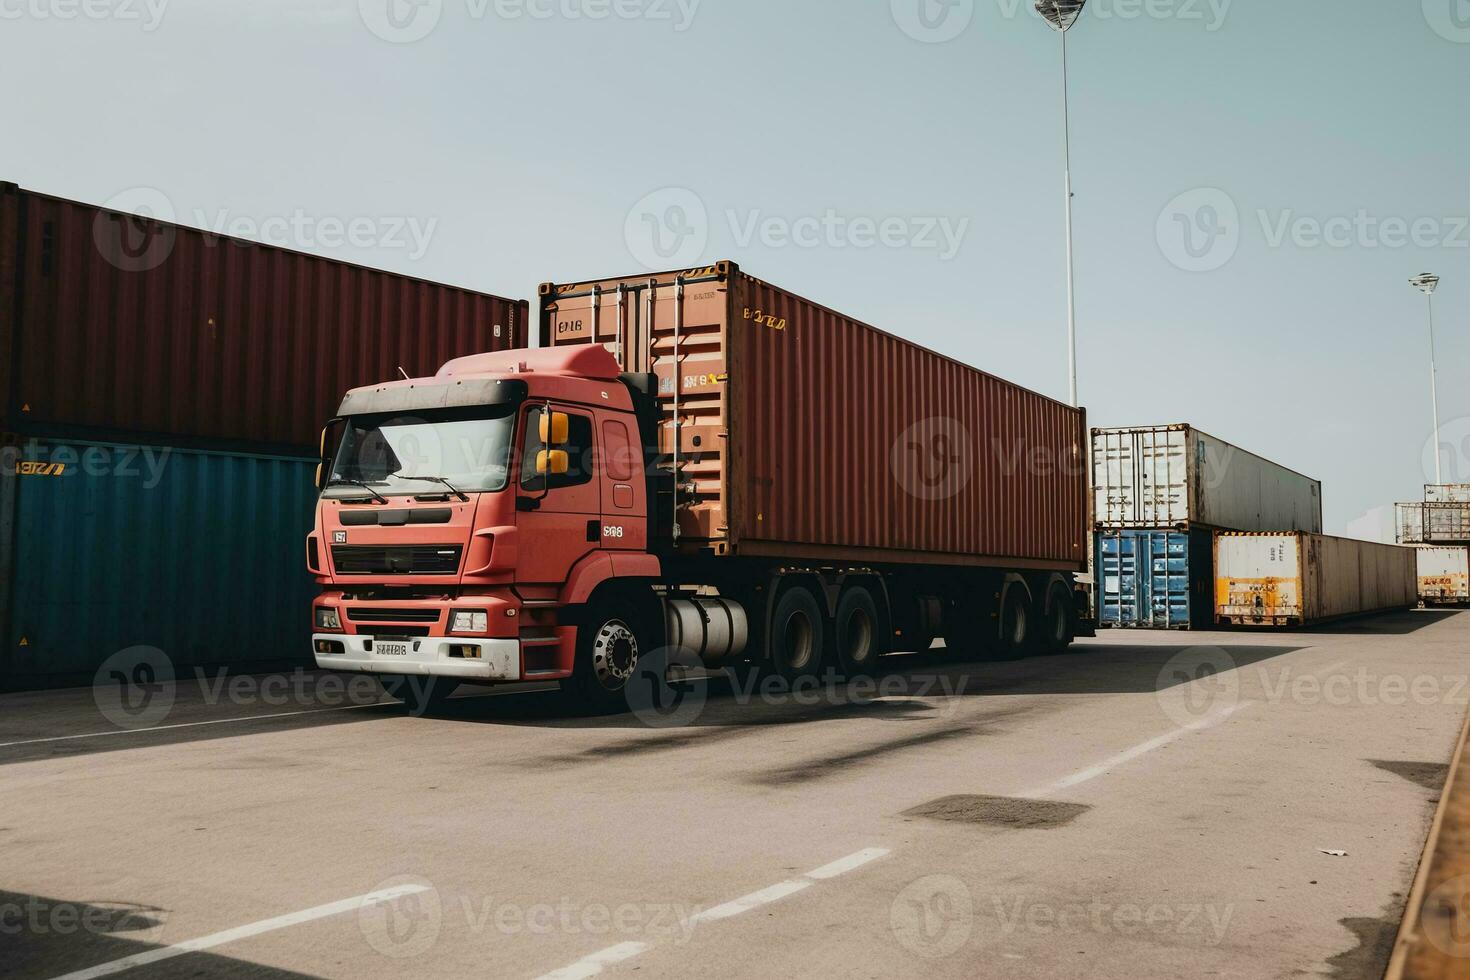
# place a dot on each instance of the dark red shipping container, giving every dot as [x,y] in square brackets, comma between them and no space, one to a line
[139,330]
[807,434]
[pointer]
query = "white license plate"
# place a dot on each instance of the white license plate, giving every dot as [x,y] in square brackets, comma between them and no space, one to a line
[383,649]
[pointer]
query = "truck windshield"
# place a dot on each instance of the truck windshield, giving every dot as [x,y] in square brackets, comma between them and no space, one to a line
[406,454]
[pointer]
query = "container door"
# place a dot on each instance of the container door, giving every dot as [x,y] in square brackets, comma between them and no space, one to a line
[1169,591]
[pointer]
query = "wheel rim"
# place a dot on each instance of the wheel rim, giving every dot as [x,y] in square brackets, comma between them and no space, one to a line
[799,638]
[859,645]
[614,654]
[1059,622]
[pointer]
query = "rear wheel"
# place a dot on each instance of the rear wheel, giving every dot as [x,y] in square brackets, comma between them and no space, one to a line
[1017,622]
[421,695]
[859,633]
[797,634]
[1059,623]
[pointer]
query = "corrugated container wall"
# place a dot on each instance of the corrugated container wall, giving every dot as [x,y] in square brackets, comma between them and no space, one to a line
[1172,476]
[807,434]
[1155,579]
[1286,580]
[1444,575]
[125,329]
[198,554]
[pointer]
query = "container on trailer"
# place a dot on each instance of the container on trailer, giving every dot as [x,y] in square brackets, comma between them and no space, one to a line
[128,329]
[1295,579]
[1155,579]
[1444,575]
[1173,476]
[113,546]
[1434,523]
[1447,493]
[806,434]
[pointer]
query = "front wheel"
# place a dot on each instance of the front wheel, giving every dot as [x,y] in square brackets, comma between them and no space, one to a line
[611,640]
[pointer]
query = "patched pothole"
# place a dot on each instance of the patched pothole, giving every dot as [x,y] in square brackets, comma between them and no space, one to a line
[1000,811]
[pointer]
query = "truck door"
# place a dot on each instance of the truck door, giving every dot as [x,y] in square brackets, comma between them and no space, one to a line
[625,519]
[560,516]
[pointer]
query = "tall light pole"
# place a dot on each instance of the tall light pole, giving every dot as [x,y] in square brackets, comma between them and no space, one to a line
[1427,282]
[1062,14]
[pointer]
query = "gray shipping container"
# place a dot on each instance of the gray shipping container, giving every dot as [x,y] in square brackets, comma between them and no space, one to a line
[1286,580]
[1175,476]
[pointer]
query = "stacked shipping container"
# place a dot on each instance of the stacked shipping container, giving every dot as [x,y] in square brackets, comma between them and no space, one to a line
[1440,528]
[163,389]
[1159,495]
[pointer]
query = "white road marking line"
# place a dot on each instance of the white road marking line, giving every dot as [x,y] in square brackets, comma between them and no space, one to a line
[191,724]
[754,900]
[244,932]
[849,863]
[592,965]
[1128,755]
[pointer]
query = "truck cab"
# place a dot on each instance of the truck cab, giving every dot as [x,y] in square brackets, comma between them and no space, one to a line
[463,517]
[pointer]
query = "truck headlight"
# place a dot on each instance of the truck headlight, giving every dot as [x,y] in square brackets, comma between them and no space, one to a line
[469,621]
[327,619]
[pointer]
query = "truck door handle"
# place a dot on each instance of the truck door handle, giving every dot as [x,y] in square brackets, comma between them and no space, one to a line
[594,531]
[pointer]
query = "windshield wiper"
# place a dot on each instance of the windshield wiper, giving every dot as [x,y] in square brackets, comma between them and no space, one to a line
[377,497]
[437,479]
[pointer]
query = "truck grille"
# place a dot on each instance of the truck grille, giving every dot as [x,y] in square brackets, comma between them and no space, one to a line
[401,560]
[392,615]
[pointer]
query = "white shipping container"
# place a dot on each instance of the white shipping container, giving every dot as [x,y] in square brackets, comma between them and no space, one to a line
[1168,476]
[1444,575]
[1296,579]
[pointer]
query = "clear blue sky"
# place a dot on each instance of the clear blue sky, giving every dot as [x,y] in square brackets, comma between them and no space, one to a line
[520,137]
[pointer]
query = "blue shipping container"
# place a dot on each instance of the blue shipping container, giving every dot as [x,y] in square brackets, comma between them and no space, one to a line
[110,546]
[1156,579]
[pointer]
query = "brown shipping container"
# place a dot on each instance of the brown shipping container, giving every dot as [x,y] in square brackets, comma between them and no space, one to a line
[140,330]
[807,434]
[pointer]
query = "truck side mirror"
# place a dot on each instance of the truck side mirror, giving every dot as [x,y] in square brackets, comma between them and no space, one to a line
[331,436]
[553,462]
[555,429]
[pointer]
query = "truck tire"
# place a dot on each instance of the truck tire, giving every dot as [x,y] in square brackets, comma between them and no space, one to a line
[613,634]
[858,633]
[798,630]
[1059,624]
[1017,626]
[422,696]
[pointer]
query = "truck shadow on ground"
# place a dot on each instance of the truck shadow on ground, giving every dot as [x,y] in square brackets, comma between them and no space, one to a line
[49,937]
[909,686]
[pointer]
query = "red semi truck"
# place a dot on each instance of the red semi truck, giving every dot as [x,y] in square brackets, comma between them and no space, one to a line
[701,461]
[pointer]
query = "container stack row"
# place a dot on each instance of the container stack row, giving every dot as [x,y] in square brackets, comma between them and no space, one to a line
[1439,530]
[162,392]
[1160,494]
[1192,532]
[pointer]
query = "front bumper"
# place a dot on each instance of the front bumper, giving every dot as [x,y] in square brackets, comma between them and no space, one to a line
[429,656]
